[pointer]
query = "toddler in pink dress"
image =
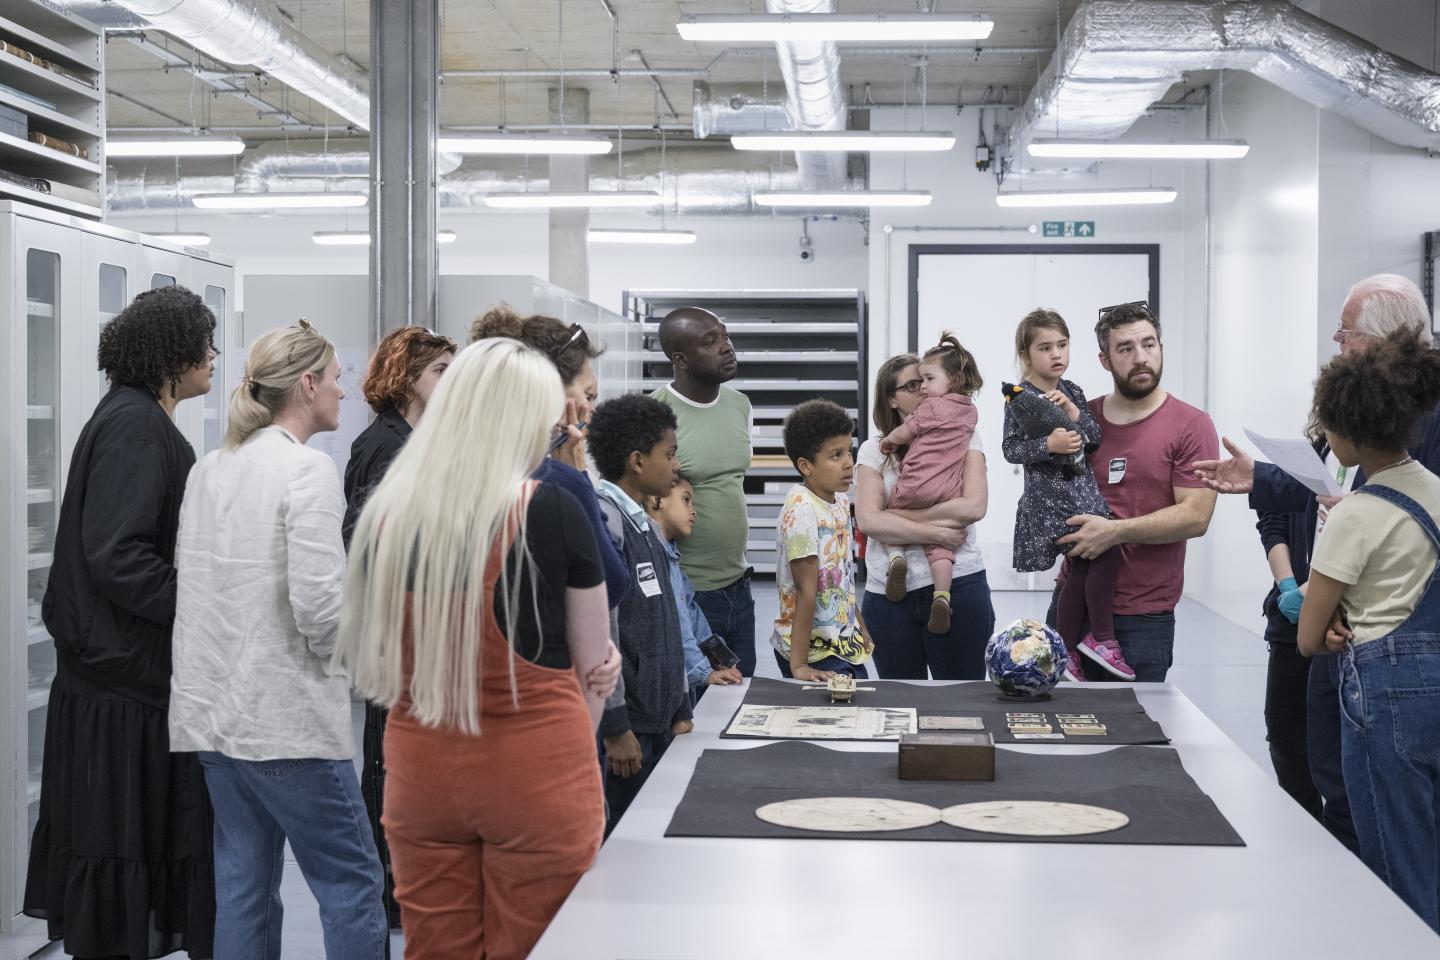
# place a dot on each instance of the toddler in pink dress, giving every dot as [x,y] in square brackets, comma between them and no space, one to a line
[933,442]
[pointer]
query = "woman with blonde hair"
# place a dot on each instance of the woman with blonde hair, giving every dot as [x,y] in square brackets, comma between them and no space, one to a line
[477,604]
[260,564]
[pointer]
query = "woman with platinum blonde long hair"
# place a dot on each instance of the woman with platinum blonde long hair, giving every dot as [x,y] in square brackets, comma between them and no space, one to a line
[477,614]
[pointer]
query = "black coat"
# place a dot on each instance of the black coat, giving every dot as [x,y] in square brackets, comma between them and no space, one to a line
[370,457]
[110,602]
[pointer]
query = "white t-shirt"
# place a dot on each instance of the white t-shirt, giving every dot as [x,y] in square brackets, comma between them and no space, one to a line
[968,559]
[1384,557]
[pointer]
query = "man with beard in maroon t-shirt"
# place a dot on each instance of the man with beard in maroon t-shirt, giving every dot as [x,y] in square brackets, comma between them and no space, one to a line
[1149,441]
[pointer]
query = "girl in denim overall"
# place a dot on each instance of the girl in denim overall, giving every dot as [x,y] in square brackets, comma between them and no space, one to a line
[1374,595]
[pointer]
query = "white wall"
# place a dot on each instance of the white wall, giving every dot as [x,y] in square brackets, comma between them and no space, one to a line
[755,252]
[1318,204]
[966,198]
[1262,355]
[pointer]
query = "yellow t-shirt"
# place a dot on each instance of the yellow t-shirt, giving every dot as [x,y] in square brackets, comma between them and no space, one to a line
[1383,556]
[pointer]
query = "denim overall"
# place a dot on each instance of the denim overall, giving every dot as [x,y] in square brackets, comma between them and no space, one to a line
[1390,739]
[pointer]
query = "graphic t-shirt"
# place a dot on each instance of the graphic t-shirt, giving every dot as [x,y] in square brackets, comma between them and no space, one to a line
[812,527]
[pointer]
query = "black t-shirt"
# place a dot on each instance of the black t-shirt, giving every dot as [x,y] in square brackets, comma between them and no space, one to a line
[563,554]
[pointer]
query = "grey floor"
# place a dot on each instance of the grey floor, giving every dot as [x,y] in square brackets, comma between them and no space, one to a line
[1219,664]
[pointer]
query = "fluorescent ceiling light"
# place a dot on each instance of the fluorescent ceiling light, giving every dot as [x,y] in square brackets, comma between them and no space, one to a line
[839,27]
[1086,198]
[175,147]
[188,239]
[607,198]
[1149,150]
[844,198]
[673,237]
[277,201]
[850,141]
[515,143]
[359,238]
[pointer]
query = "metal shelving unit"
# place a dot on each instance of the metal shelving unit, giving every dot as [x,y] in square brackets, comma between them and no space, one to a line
[63,279]
[792,345]
[52,108]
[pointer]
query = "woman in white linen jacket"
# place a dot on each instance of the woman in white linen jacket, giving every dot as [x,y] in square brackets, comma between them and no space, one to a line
[260,564]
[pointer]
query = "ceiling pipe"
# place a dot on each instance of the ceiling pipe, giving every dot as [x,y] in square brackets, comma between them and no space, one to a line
[1119,57]
[703,180]
[254,33]
[814,96]
[676,73]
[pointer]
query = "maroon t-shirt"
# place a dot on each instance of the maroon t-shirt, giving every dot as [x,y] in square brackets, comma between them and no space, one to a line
[1138,466]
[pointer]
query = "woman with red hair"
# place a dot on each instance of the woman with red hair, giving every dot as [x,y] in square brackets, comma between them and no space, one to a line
[403,373]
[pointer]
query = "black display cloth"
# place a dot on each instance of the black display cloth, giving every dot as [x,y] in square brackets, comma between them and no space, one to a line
[1125,720]
[1148,784]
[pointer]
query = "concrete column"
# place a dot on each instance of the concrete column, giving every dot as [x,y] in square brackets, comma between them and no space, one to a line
[404,55]
[569,247]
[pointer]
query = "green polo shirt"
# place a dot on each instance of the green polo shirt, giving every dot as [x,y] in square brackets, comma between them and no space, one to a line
[715,450]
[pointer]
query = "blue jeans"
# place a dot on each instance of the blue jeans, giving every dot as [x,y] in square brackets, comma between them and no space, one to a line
[731,613]
[1146,639]
[906,650]
[1390,732]
[833,664]
[1322,748]
[315,804]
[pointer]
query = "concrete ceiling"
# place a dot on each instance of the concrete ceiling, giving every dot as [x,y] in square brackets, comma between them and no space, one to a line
[526,34]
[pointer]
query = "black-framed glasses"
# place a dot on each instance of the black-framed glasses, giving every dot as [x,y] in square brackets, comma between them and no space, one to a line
[1105,311]
[909,386]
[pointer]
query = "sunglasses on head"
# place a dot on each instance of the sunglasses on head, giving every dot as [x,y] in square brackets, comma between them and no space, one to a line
[1105,311]
[577,335]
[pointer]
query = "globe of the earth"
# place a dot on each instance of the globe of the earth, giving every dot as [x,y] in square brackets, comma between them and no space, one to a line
[1025,660]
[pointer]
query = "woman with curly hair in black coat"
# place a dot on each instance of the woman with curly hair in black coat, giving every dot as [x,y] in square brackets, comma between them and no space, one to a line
[120,862]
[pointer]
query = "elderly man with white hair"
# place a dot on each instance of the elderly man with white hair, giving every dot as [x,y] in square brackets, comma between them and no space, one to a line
[1301,709]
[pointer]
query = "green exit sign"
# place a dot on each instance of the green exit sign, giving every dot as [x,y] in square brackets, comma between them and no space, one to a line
[1069,228]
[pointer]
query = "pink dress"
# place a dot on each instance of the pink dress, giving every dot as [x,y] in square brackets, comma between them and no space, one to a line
[933,470]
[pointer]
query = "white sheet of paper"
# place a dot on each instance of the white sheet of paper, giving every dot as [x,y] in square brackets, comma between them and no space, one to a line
[1297,458]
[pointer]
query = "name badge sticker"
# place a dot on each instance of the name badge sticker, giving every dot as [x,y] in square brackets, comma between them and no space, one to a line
[646,579]
[1117,469]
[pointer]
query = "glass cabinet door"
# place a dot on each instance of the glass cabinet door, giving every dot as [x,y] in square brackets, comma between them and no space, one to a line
[42,478]
[111,300]
[216,399]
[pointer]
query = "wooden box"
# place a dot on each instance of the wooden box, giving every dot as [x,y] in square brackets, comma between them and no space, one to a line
[947,755]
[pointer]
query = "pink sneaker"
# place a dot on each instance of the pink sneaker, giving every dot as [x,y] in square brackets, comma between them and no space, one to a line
[1074,672]
[1108,655]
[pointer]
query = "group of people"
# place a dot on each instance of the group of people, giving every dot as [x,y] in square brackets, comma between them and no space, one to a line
[499,610]
[1353,732]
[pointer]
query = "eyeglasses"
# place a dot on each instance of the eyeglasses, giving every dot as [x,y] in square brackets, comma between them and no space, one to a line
[1105,311]
[909,386]
[1342,335]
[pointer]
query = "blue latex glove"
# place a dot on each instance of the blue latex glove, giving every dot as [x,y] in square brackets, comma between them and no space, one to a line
[1290,599]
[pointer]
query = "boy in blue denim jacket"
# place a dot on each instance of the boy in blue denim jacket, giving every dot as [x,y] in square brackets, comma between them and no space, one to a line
[675,516]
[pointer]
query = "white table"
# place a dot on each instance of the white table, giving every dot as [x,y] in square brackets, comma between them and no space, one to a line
[1292,892]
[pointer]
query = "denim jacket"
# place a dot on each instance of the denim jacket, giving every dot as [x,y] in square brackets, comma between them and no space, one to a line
[693,625]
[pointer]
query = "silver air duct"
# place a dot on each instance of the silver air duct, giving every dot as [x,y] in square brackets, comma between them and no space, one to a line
[723,109]
[279,162]
[253,32]
[814,99]
[1120,56]
[699,179]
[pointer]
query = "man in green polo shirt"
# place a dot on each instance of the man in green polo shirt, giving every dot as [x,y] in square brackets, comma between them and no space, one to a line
[714,437]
